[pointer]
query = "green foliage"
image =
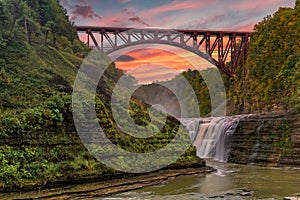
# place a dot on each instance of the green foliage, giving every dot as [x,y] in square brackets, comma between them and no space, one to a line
[140,114]
[297,5]
[272,78]
[40,21]
[39,58]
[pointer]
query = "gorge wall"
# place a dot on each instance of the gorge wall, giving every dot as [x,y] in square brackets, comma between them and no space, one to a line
[267,140]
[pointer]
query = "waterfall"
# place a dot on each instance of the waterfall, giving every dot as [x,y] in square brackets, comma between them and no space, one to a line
[256,146]
[211,136]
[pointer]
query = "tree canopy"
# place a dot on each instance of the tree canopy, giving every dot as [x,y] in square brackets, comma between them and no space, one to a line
[272,79]
[40,21]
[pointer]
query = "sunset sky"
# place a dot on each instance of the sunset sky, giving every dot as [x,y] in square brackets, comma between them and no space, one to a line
[230,15]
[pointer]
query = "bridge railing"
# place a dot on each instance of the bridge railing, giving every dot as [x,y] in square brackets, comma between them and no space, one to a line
[227,49]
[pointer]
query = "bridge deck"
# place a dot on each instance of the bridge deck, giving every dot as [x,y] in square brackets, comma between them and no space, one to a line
[188,32]
[227,49]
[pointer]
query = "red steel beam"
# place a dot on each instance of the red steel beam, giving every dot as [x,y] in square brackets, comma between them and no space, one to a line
[238,53]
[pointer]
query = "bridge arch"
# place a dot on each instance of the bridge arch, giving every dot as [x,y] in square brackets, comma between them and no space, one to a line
[217,47]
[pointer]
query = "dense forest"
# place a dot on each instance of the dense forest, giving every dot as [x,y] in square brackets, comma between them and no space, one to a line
[271,81]
[40,55]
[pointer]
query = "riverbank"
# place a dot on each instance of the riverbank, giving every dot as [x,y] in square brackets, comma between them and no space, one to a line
[100,188]
[230,181]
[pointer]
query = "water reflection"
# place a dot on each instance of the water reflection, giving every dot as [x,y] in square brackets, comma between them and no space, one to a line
[264,182]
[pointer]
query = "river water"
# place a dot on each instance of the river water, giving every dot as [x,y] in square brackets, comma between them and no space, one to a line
[264,183]
[211,136]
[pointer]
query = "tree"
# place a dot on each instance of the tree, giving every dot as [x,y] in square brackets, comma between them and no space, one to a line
[297,5]
[274,50]
[15,11]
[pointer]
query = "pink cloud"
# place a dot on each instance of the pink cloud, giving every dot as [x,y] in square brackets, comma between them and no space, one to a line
[85,11]
[177,14]
[175,5]
[246,27]
[80,9]
[127,17]
[254,5]
[124,1]
[118,19]
[138,20]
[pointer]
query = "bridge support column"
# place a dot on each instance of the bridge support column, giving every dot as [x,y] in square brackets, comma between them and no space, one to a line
[229,50]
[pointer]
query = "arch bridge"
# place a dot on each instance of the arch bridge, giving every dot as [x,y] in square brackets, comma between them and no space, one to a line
[227,50]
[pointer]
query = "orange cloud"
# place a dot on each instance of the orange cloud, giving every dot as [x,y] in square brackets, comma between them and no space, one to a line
[149,64]
[153,56]
[152,72]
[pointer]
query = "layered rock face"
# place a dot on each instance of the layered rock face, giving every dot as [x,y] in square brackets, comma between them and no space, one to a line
[267,140]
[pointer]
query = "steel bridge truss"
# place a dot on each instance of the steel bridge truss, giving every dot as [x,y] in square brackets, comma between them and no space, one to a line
[227,50]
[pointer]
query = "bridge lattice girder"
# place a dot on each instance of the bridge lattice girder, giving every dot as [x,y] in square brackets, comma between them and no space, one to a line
[228,50]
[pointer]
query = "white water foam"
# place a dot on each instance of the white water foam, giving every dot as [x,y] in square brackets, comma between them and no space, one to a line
[212,136]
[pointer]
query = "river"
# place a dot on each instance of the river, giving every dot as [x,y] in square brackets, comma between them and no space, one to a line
[230,181]
[225,183]
[211,136]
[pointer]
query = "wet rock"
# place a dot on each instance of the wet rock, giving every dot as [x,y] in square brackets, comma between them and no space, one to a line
[229,193]
[291,198]
[233,195]
[215,197]
[267,140]
[246,194]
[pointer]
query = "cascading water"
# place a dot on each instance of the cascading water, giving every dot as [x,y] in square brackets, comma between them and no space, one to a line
[211,136]
[256,146]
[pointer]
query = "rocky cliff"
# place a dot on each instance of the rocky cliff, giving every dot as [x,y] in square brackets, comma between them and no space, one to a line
[267,140]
